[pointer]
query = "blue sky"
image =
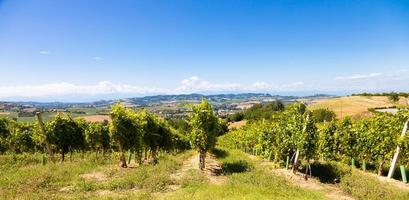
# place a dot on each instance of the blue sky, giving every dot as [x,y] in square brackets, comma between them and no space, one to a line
[73,50]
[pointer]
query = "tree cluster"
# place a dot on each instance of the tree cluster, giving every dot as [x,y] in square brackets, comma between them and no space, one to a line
[258,111]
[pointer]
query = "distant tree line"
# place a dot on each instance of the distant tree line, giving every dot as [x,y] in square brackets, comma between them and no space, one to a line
[267,110]
[392,96]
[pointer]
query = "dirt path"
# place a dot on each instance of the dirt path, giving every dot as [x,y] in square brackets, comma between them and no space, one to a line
[330,191]
[212,170]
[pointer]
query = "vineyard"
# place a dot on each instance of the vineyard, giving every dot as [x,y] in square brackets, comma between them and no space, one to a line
[72,158]
[327,150]
[369,141]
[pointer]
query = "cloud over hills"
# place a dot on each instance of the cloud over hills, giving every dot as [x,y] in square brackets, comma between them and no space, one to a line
[395,80]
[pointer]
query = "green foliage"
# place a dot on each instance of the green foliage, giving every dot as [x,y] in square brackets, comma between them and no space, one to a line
[257,112]
[126,128]
[323,115]
[205,126]
[238,116]
[97,136]
[65,134]
[21,138]
[388,94]
[181,125]
[262,111]
[394,97]
[4,134]
[281,136]
[372,140]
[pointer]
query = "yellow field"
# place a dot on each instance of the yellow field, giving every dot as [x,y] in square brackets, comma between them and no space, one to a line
[355,106]
[96,118]
[4,113]
[237,125]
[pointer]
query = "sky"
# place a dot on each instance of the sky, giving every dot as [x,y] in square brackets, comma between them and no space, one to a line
[75,50]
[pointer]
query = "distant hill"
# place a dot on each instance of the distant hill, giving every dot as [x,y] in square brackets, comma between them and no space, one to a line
[198,97]
[148,100]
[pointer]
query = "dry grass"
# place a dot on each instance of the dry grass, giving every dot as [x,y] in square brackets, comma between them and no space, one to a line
[237,125]
[4,113]
[355,106]
[96,118]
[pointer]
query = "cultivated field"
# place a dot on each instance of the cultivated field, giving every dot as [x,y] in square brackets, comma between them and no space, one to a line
[355,106]
[96,118]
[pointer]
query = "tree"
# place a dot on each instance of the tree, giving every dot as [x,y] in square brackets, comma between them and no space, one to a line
[263,111]
[393,96]
[205,128]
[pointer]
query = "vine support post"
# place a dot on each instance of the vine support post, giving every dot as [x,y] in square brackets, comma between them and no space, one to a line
[403,173]
[396,155]
[129,156]
[269,156]
[297,154]
[47,143]
[43,160]
[296,161]
[287,162]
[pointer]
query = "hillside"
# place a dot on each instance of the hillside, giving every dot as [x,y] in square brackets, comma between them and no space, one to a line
[354,106]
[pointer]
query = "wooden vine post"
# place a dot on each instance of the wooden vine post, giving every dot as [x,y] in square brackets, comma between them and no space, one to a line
[47,143]
[297,153]
[396,155]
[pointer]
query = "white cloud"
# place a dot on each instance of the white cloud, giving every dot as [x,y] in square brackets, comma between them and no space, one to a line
[189,85]
[44,52]
[97,58]
[358,76]
[61,89]
[397,80]
[195,84]
[260,85]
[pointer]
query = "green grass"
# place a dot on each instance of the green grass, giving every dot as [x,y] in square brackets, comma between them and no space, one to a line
[245,180]
[357,183]
[23,177]
[26,178]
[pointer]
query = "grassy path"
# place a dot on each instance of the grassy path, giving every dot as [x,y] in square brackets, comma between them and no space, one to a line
[243,178]
[330,190]
[228,175]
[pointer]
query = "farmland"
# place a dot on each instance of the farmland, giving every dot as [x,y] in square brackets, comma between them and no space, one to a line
[136,154]
[355,106]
